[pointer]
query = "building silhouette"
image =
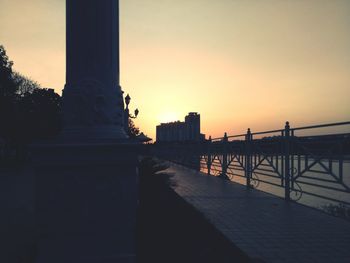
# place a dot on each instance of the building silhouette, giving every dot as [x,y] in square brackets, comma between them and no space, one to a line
[187,131]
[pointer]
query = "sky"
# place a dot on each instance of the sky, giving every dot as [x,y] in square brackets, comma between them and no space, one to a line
[239,63]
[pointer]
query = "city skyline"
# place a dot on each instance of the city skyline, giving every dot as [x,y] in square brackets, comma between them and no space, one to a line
[239,64]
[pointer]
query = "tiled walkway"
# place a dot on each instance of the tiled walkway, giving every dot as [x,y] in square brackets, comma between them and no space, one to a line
[264,226]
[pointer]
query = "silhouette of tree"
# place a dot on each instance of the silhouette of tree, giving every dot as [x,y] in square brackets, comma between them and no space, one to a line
[39,114]
[24,84]
[7,96]
[7,86]
[133,131]
[27,111]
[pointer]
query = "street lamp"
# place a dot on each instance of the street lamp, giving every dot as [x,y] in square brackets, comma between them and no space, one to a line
[127,100]
[127,115]
[136,112]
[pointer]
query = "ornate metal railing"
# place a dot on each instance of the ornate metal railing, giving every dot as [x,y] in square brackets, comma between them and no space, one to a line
[294,161]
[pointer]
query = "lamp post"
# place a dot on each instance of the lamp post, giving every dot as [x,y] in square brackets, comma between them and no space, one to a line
[127,114]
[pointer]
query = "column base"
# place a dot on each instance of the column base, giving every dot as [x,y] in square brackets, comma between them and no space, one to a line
[86,202]
[107,133]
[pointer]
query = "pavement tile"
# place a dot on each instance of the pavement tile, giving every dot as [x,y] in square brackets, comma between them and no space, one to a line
[263,225]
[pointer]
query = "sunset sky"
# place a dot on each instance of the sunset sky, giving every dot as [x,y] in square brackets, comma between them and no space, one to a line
[239,63]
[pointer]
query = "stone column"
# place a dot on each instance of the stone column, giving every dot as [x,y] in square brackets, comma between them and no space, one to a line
[92,98]
[86,180]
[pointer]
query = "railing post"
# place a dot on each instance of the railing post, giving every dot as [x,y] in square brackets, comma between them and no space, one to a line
[287,161]
[224,157]
[248,164]
[209,155]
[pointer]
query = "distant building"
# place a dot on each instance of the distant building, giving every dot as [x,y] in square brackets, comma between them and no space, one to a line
[181,131]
